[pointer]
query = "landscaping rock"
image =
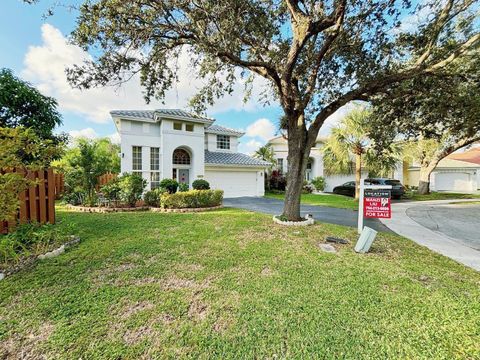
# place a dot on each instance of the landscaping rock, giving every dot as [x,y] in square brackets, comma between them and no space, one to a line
[2,276]
[53,253]
[336,240]
[327,248]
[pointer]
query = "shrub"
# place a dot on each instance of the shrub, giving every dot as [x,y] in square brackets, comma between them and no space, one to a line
[30,239]
[152,197]
[170,185]
[307,188]
[75,197]
[201,184]
[192,199]
[319,183]
[111,190]
[183,187]
[277,181]
[131,188]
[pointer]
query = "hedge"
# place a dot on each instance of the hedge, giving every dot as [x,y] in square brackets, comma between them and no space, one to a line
[192,199]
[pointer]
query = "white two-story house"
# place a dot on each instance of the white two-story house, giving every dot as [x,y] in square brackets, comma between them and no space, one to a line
[176,144]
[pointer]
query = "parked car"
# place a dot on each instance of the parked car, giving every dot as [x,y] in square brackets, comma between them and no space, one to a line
[398,190]
[348,188]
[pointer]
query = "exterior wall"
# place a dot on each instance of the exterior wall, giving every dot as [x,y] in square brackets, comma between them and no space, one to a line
[163,136]
[211,143]
[335,180]
[139,134]
[193,142]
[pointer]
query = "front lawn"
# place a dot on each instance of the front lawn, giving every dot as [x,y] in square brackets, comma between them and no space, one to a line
[330,200]
[231,284]
[439,196]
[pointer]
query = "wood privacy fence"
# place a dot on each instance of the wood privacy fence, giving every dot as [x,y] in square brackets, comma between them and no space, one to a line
[59,185]
[37,203]
[60,182]
[105,179]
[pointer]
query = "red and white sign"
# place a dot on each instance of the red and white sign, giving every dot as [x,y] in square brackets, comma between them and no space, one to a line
[377,204]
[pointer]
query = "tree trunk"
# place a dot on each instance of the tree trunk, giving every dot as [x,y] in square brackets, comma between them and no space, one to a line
[424,180]
[358,174]
[298,153]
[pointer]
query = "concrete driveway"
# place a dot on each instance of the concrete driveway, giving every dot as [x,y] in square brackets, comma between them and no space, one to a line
[449,229]
[324,214]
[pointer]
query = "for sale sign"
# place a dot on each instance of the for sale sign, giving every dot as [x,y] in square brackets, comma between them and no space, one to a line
[377,204]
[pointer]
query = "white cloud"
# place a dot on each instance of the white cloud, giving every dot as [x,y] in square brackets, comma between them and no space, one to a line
[335,118]
[262,128]
[249,147]
[114,138]
[45,67]
[87,133]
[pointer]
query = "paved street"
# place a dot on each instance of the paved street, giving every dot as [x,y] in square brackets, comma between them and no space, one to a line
[325,214]
[449,229]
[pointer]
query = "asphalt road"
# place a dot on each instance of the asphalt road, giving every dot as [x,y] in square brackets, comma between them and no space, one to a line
[459,222]
[324,214]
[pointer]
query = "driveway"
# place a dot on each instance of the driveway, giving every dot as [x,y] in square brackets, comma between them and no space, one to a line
[324,214]
[446,228]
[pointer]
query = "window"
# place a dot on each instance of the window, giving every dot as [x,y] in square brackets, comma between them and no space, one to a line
[137,158]
[280,164]
[181,157]
[189,127]
[223,142]
[177,126]
[154,180]
[154,158]
[154,167]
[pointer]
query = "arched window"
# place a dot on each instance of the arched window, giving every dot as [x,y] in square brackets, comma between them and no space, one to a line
[181,157]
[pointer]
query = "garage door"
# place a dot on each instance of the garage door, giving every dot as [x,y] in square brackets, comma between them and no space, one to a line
[234,184]
[461,182]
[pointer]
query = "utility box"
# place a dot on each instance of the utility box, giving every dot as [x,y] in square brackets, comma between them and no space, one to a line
[366,240]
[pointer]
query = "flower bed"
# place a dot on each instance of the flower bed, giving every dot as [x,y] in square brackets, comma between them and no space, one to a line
[96,209]
[308,220]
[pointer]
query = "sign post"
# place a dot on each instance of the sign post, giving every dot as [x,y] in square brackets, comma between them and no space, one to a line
[374,202]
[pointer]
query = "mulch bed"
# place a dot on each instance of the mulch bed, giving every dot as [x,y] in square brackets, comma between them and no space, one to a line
[140,208]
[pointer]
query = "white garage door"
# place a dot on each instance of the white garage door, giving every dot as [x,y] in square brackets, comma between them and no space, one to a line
[453,182]
[234,184]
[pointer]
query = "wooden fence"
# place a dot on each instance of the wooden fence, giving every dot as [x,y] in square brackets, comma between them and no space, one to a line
[37,203]
[59,185]
[105,179]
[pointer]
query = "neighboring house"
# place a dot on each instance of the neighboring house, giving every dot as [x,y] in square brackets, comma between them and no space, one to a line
[314,166]
[176,144]
[458,172]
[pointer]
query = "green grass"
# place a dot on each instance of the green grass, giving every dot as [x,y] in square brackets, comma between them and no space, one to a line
[440,196]
[230,284]
[330,200]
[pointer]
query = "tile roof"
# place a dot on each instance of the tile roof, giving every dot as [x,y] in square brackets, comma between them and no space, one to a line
[149,114]
[223,158]
[223,130]
[143,114]
[471,156]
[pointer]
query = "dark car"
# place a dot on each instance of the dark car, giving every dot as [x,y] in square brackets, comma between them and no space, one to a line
[349,187]
[345,189]
[398,190]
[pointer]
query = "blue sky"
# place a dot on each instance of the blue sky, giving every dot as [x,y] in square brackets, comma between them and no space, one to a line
[37,50]
[34,51]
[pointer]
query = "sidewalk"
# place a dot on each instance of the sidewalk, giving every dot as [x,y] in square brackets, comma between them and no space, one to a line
[403,225]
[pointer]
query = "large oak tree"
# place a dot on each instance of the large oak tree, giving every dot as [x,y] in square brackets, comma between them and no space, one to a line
[440,114]
[316,55]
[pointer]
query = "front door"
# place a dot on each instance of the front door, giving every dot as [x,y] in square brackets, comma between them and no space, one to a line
[183,176]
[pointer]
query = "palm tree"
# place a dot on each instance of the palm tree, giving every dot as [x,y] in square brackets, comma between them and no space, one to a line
[266,153]
[349,146]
